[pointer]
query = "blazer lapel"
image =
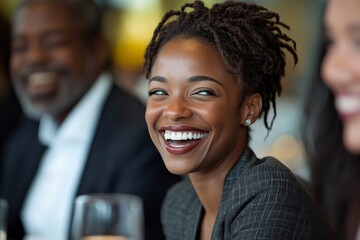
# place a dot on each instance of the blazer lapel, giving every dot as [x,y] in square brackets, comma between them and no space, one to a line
[246,160]
[101,140]
[21,159]
[193,220]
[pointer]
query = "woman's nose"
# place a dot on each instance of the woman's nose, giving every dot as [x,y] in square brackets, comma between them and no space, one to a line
[177,108]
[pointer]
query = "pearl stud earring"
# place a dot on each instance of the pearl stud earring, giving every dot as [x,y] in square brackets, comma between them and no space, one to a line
[247,122]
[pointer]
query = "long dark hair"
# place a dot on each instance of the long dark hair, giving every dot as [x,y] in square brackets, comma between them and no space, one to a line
[335,173]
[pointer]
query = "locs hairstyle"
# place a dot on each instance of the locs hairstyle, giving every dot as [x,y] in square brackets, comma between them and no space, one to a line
[87,13]
[247,36]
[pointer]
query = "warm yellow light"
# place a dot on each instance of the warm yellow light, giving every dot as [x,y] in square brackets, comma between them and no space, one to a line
[135,31]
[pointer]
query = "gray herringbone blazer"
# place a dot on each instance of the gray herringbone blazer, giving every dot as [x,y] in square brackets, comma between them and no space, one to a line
[262,199]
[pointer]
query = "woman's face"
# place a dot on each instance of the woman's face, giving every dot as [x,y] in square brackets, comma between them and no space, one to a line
[194,110]
[341,66]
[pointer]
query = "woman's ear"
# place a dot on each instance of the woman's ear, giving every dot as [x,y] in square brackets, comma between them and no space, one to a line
[251,109]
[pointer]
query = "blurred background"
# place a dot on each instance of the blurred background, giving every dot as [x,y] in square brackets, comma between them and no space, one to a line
[129,25]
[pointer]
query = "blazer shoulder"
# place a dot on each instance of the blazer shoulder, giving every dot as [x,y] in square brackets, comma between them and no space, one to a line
[270,177]
[269,190]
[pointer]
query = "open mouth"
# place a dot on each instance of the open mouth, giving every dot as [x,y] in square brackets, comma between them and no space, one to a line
[179,142]
[347,105]
[173,136]
[42,83]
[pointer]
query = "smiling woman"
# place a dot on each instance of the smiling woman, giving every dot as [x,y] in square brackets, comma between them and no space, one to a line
[212,73]
[192,93]
[332,119]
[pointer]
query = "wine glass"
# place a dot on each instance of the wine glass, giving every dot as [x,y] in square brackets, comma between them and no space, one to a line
[108,217]
[3,218]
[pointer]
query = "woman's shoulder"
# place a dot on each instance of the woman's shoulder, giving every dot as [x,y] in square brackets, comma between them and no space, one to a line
[268,182]
[270,176]
[272,168]
[261,175]
[267,189]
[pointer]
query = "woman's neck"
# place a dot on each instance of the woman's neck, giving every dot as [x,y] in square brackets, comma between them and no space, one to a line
[209,192]
[209,185]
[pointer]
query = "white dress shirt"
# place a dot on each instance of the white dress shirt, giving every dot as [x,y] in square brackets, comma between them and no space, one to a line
[47,208]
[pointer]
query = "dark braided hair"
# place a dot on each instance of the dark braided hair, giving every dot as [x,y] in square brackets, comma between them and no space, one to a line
[247,36]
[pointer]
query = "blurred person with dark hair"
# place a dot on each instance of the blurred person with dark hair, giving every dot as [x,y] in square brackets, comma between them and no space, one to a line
[82,134]
[332,119]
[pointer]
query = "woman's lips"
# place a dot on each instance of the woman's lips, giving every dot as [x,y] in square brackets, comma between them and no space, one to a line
[347,105]
[181,142]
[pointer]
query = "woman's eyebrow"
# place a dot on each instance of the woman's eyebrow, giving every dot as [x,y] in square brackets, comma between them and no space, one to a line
[158,79]
[203,78]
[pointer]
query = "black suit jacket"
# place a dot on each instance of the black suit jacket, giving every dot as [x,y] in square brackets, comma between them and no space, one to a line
[122,159]
[261,199]
[10,113]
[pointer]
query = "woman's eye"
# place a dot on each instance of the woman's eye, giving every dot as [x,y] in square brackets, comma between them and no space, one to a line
[157,92]
[357,43]
[328,42]
[205,92]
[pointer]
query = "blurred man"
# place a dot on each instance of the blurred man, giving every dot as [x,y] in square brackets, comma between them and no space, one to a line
[86,135]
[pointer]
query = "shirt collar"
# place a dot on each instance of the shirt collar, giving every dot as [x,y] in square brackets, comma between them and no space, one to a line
[79,125]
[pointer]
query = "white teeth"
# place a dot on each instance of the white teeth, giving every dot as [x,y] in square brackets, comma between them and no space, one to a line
[41,78]
[178,136]
[190,135]
[347,103]
[183,135]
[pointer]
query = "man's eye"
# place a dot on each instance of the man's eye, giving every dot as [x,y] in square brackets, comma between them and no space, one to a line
[157,92]
[18,47]
[55,41]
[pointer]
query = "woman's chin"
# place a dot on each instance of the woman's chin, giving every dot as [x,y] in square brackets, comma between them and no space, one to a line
[176,167]
[352,147]
[351,138]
